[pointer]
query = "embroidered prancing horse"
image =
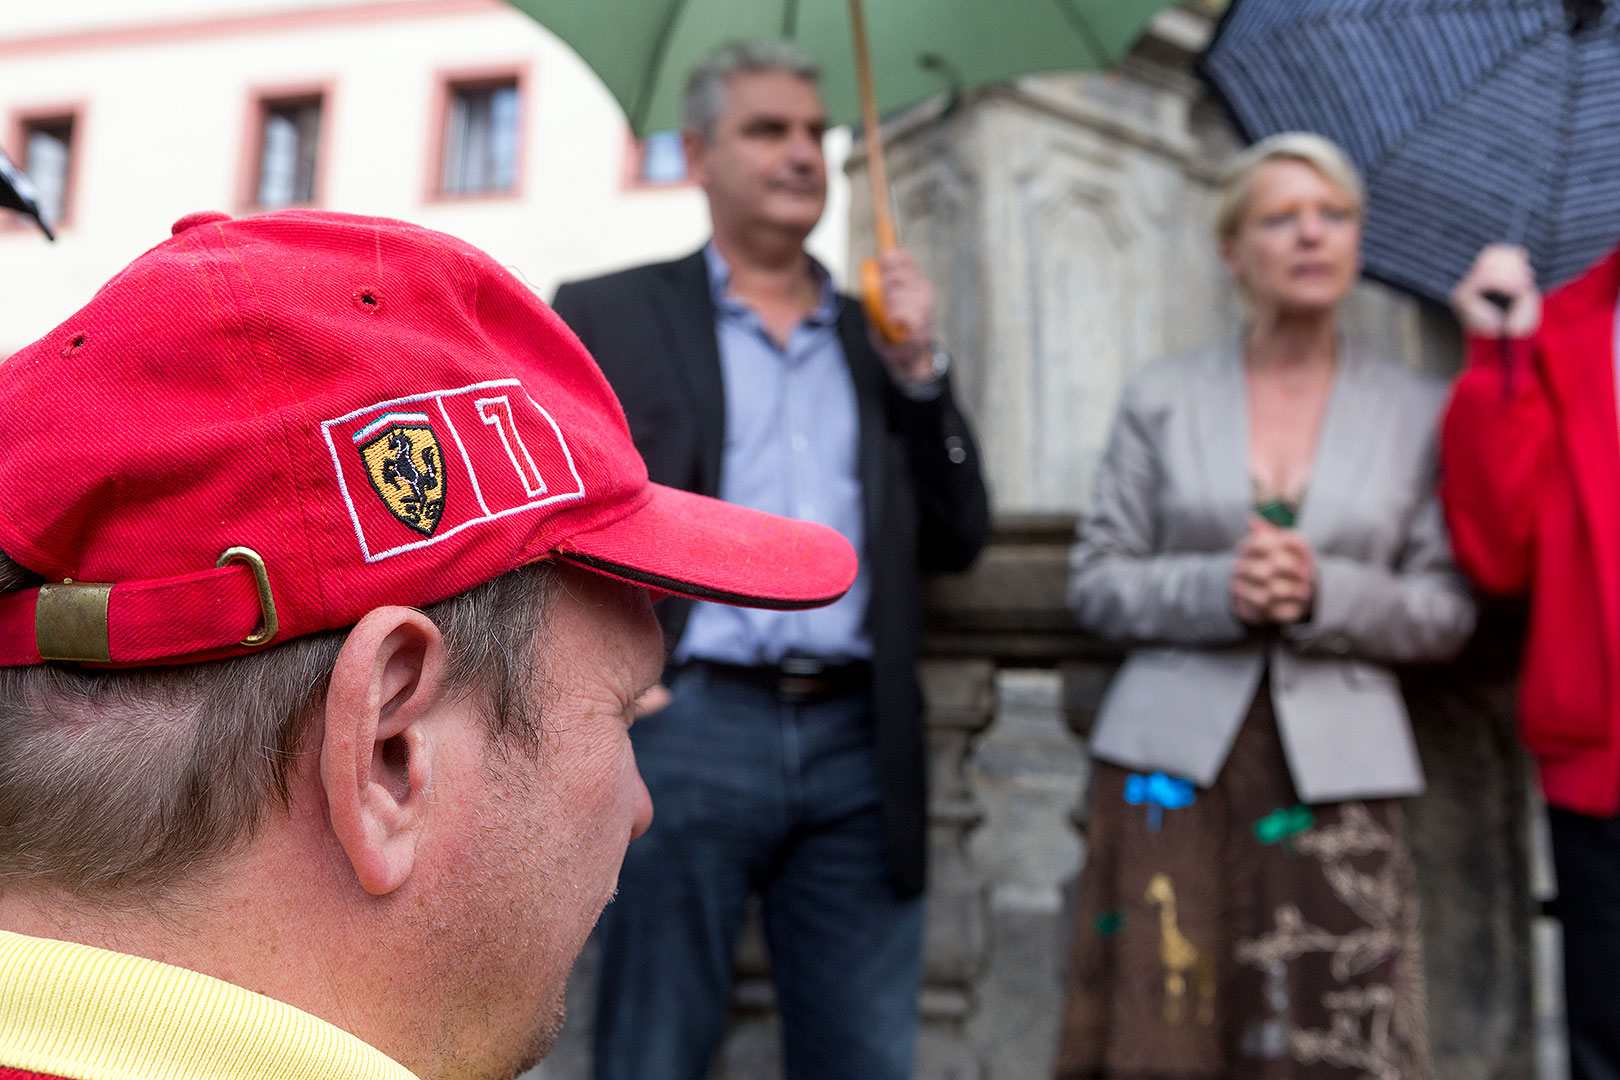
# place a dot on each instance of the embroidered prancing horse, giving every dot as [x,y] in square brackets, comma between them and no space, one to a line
[405,465]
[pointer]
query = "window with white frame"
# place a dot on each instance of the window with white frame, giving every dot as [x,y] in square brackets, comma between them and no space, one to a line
[289,147]
[47,158]
[480,138]
[663,158]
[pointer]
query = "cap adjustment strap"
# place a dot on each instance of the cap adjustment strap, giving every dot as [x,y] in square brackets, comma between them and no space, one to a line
[70,622]
[196,616]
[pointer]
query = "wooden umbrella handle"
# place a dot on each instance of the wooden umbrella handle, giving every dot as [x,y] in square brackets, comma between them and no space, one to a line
[877,175]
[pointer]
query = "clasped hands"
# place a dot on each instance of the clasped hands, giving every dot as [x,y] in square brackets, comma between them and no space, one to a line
[1274,580]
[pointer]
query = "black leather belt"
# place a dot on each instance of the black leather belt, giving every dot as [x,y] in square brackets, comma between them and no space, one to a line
[795,680]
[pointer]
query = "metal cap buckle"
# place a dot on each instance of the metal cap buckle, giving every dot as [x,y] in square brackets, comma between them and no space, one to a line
[267,603]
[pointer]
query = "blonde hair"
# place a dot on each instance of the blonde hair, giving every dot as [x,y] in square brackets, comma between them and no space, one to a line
[1320,153]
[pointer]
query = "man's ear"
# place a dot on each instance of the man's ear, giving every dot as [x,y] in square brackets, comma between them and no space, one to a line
[376,757]
[694,147]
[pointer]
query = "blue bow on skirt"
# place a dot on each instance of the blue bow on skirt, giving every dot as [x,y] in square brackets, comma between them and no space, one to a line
[1160,793]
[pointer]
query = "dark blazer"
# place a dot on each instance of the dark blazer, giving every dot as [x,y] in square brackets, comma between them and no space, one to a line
[651,329]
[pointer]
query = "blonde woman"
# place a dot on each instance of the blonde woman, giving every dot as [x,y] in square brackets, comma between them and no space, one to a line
[1265,533]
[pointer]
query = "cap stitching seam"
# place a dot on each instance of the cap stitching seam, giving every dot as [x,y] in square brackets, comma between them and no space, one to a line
[21,549]
[643,497]
[25,550]
[299,483]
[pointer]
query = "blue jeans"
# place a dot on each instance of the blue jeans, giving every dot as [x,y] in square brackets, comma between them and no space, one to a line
[752,794]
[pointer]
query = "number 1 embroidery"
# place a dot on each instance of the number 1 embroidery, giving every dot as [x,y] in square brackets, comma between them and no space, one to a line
[497,413]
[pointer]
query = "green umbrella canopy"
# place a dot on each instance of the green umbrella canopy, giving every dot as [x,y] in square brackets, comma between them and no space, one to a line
[643,49]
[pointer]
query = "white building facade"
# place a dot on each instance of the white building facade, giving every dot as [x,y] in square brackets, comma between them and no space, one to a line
[461,115]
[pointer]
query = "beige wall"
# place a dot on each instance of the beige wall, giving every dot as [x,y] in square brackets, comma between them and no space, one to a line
[164,91]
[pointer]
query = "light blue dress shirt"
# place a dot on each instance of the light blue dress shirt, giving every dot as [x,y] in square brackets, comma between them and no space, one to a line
[792,448]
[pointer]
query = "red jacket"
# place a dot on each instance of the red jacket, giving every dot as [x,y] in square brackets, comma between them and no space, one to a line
[1530,472]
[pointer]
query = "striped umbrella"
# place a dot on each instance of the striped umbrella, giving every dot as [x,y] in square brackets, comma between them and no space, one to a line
[1472,120]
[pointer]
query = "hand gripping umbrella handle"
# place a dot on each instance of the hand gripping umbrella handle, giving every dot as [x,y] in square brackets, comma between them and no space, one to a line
[1502,302]
[877,312]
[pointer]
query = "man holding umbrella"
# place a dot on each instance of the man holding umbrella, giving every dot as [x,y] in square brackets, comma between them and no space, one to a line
[1531,466]
[790,760]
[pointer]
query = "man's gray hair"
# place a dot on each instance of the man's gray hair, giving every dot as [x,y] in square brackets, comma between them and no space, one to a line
[122,784]
[706,86]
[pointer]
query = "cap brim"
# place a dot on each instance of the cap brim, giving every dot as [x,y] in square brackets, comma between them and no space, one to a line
[699,547]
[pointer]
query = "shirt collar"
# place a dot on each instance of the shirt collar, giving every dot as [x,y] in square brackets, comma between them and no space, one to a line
[823,314]
[76,1011]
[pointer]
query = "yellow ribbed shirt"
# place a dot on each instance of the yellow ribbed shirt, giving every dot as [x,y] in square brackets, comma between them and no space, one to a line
[83,1013]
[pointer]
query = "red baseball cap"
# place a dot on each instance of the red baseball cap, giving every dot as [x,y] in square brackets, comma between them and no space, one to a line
[267,427]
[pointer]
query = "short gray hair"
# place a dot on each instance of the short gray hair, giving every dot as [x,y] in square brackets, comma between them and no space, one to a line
[705,100]
[1321,153]
[122,784]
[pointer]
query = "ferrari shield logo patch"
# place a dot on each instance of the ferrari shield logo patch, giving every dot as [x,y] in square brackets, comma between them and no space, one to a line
[418,470]
[406,467]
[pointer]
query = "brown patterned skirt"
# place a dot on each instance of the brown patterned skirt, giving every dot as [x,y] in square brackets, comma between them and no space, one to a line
[1243,935]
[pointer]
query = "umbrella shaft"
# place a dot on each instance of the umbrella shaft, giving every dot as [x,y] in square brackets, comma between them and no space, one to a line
[876,171]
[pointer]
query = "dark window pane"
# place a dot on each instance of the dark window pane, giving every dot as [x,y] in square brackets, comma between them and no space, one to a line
[287,153]
[481,140]
[49,150]
[663,160]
